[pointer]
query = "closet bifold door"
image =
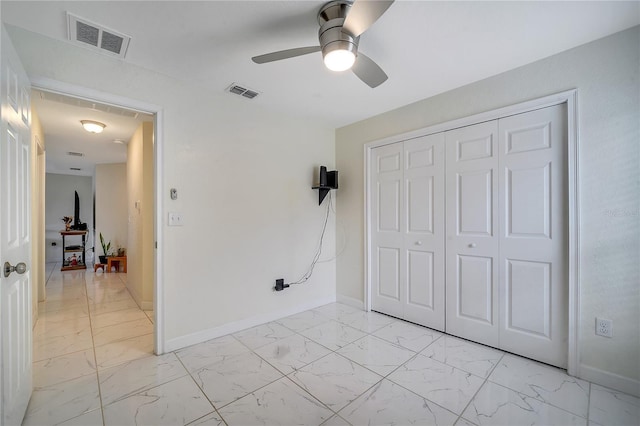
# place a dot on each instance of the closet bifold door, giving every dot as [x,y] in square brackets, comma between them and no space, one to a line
[424,231]
[533,241]
[387,274]
[407,232]
[472,250]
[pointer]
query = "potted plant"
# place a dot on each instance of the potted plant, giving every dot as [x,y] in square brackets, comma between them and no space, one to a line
[105,249]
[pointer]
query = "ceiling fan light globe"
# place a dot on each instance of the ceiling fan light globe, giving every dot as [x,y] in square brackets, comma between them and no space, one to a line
[339,60]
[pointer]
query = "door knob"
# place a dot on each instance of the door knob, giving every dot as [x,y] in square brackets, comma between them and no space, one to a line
[418,243]
[20,268]
[472,245]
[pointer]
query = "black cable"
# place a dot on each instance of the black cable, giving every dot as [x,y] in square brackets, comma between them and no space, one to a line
[309,272]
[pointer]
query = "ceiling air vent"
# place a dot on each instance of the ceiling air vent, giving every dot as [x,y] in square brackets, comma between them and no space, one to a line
[75,169]
[75,154]
[97,37]
[242,91]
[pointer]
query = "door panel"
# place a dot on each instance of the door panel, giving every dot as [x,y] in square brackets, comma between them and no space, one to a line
[408,239]
[420,214]
[474,207]
[528,307]
[15,220]
[424,232]
[533,271]
[471,223]
[387,255]
[389,206]
[475,288]
[420,279]
[528,201]
[389,273]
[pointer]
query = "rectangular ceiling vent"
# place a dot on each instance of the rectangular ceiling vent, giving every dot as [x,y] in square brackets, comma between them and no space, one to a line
[75,154]
[97,37]
[75,169]
[242,91]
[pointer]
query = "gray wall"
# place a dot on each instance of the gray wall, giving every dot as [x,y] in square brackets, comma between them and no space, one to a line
[606,74]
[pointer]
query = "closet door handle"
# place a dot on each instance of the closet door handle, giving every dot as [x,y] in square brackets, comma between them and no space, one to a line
[472,245]
[418,243]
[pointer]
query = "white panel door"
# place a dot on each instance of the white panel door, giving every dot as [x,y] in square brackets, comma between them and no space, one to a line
[407,216]
[424,231]
[472,232]
[387,242]
[15,245]
[533,273]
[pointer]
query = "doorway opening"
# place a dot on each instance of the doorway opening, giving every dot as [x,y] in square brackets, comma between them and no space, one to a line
[125,210]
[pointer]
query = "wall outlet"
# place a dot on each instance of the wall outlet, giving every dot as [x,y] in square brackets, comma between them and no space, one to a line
[604,327]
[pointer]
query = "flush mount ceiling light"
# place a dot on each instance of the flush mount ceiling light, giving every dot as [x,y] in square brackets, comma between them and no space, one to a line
[93,126]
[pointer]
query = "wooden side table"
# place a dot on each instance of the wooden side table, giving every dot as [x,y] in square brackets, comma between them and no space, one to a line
[117,261]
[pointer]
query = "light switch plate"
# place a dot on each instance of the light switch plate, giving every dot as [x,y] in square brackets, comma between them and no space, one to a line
[175,219]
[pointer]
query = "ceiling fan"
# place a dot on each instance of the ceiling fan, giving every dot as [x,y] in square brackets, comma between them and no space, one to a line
[341,24]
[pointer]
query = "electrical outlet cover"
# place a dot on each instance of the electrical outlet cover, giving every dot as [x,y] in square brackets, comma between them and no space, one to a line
[604,327]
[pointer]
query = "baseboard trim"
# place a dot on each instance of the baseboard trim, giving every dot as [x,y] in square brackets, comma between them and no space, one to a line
[610,380]
[233,327]
[346,300]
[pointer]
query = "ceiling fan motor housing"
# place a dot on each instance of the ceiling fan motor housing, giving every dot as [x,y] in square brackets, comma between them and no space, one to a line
[331,34]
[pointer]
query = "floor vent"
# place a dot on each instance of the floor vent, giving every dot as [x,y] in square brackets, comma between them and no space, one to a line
[242,91]
[97,37]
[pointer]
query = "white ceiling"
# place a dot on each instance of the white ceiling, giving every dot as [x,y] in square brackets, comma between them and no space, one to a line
[60,118]
[425,47]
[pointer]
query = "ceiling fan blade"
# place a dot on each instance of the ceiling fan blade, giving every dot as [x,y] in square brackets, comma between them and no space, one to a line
[368,71]
[363,14]
[285,54]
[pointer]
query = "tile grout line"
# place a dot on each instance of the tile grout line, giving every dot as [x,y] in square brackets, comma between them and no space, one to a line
[215,409]
[95,357]
[486,379]
[589,403]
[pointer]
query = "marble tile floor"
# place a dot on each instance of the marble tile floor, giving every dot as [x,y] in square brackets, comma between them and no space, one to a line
[333,365]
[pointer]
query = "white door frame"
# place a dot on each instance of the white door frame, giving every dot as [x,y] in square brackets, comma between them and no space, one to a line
[569,97]
[120,101]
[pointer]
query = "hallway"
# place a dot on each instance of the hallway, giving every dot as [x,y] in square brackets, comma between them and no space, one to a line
[88,323]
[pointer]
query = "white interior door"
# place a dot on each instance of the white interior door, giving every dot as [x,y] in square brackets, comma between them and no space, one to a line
[15,244]
[533,273]
[407,213]
[472,232]
[424,231]
[387,223]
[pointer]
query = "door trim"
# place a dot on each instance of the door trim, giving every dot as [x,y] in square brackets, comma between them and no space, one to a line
[570,97]
[56,86]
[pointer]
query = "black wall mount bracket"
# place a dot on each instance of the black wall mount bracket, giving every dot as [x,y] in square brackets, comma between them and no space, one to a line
[328,181]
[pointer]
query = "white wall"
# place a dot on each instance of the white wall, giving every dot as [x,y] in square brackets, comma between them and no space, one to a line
[606,73]
[243,175]
[140,278]
[37,177]
[111,206]
[59,202]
